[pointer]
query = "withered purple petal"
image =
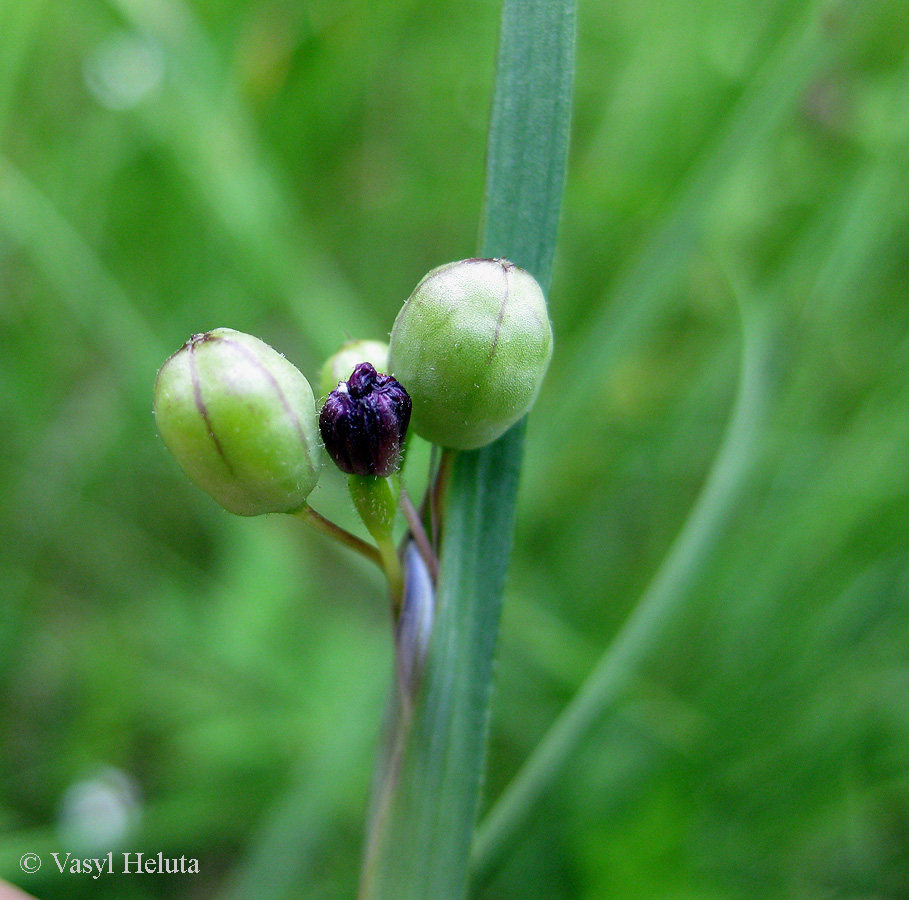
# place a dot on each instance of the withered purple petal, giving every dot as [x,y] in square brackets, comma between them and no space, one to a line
[364,421]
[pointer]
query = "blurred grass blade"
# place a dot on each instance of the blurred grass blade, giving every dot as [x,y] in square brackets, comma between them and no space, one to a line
[420,845]
[94,298]
[642,290]
[224,159]
[18,22]
[658,609]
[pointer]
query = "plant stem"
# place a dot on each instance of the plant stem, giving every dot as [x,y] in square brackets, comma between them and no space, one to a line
[437,495]
[419,535]
[391,565]
[326,526]
[384,794]
[376,501]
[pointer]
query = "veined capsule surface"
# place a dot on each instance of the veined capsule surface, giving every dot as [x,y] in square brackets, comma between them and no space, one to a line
[471,346]
[241,422]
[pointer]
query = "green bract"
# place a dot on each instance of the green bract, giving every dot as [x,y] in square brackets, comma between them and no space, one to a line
[471,346]
[241,421]
[339,366]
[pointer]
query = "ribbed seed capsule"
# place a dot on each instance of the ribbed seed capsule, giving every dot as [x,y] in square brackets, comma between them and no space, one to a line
[241,421]
[340,364]
[364,421]
[471,345]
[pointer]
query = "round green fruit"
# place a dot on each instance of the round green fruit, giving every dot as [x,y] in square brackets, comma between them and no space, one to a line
[471,346]
[241,421]
[338,367]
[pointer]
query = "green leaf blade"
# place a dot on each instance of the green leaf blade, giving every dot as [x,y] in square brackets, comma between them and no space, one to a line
[529,134]
[420,845]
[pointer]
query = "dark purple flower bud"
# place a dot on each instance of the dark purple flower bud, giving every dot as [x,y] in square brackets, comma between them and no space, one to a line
[363,422]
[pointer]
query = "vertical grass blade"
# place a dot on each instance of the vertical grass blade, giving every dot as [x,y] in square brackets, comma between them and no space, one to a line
[420,844]
[528,137]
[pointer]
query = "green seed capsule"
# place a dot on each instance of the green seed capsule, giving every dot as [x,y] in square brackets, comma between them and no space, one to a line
[241,422]
[471,346]
[338,367]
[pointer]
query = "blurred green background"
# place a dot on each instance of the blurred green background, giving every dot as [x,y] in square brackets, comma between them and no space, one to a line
[175,679]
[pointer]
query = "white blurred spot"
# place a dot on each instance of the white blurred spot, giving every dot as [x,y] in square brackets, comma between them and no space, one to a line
[123,70]
[98,813]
